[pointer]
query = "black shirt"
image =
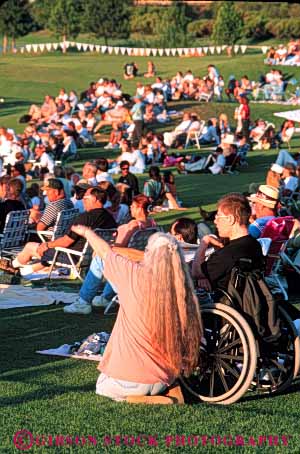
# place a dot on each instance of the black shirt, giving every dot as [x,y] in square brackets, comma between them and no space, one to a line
[97,218]
[6,207]
[219,265]
[132,181]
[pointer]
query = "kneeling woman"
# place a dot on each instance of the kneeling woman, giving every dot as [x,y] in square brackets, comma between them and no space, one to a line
[158,329]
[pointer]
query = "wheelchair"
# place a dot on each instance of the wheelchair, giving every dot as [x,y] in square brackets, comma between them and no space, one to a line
[234,357]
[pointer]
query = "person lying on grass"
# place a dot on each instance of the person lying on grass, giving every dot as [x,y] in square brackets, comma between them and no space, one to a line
[158,329]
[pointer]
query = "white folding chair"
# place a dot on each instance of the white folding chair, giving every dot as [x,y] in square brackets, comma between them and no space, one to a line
[79,260]
[194,136]
[15,232]
[63,222]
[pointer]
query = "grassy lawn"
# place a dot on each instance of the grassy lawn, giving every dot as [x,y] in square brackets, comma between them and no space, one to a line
[53,396]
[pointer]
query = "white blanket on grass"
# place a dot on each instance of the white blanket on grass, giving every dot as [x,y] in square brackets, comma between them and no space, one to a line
[12,296]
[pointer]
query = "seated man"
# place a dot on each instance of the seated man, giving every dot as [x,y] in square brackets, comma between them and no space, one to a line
[232,221]
[94,217]
[284,157]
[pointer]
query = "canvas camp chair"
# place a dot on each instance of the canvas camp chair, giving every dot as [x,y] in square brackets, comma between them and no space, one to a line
[14,234]
[63,222]
[278,230]
[78,261]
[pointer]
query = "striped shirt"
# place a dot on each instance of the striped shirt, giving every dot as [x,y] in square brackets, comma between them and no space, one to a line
[52,209]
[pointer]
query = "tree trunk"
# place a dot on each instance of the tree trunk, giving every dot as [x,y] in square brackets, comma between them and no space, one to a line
[13,44]
[4,49]
[64,49]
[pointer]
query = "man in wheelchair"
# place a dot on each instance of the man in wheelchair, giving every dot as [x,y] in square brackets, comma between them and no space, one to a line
[250,341]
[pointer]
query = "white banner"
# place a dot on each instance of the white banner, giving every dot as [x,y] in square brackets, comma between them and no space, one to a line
[219,49]
[22,50]
[199,50]
[186,51]
[78,45]
[49,46]
[192,50]
[205,49]
[180,51]
[243,49]
[224,47]
[91,47]
[28,47]
[35,47]
[123,50]
[129,50]
[173,52]
[264,49]
[135,52]
[55,46]
[236,49]
[154,52]
[67,44]
[62,45]
[141,51]
[84,47]
[97,47]
[148,52]
[161,52]
[42,47]
[212,49]
[72,43]
[117,50]
[103,49]
[168,52]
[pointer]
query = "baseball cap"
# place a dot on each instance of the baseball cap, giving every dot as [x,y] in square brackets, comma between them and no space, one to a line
[53,183]
[119,104]
[266,195]
[83,184]
[277,168]
[228,139]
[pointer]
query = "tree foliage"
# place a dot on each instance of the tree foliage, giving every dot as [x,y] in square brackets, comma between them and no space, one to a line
[41,11]
[107,18]
[15,18]
[228,26]
[171,26]
[65,18]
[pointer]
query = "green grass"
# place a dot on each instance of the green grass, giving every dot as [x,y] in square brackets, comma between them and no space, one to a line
[48,395]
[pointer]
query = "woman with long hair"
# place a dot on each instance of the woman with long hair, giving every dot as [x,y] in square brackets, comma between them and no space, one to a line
[158,329]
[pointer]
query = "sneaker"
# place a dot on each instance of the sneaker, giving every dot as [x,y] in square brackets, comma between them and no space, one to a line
[100,301]
[108,146]
[78,308]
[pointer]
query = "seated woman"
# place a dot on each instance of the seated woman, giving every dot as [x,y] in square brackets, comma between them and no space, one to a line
[157,191]
[150,69]
[91,286]
[231,220]
[158,329]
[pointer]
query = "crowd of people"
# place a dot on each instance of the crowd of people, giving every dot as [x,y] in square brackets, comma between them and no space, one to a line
[158,329]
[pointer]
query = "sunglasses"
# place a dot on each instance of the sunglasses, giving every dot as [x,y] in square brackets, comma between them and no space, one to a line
[124,168]
[263,196]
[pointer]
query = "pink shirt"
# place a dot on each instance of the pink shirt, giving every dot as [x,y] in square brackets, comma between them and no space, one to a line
[130,353]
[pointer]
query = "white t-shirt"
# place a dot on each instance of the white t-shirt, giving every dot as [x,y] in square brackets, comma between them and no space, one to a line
[104,176]
[47,161]
[139,164]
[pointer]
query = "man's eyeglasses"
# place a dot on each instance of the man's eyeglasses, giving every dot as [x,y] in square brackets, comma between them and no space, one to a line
[218,216]
[124,168]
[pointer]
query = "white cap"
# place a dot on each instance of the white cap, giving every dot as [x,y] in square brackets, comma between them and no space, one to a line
[100,81]
[119,104]
[277,168]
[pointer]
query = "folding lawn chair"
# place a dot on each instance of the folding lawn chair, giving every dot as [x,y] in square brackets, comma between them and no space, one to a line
[63,222]
[14,234]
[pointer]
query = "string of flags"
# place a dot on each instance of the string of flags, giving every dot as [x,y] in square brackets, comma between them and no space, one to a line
[136,52]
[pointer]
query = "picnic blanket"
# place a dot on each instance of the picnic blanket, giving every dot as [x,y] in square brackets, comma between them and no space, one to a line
[91,348]
[12,296]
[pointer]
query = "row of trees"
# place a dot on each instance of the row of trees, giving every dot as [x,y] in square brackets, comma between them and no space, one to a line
[178,25]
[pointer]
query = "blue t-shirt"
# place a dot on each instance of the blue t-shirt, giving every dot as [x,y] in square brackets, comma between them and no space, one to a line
[256,228]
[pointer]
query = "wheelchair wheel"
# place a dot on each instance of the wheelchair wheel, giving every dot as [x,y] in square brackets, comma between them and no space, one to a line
[227,359]
[280,363]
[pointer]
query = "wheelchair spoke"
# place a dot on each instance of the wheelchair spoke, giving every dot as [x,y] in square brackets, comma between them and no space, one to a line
[221,375]
[229,369]
[231,357]
[212,383]
[229,346]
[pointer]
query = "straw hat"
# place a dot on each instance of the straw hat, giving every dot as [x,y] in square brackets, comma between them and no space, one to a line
[267,196]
